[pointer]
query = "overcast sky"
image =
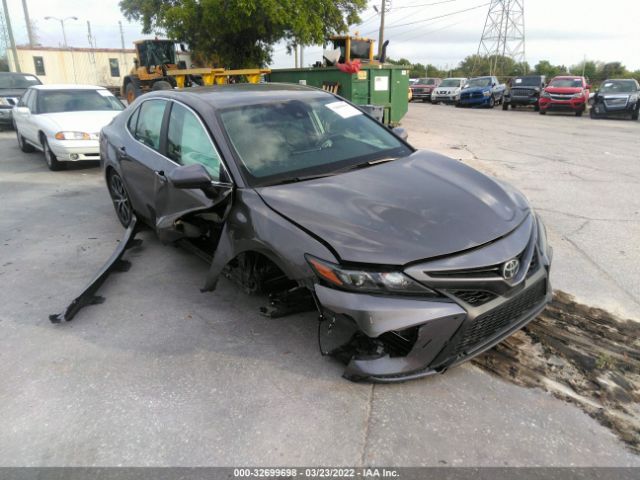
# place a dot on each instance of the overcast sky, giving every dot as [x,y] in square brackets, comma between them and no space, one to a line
[563,32]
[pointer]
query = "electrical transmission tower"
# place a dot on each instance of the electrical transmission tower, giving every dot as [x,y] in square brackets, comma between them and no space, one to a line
[503,34]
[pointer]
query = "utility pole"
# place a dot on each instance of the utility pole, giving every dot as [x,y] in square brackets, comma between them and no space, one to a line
[92,45]
[27,20]
[295,54]
[383,8]
[12,43]
[124,54]
[301,56]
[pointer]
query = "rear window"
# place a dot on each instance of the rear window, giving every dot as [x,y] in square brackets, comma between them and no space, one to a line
[18,81]
[55,101]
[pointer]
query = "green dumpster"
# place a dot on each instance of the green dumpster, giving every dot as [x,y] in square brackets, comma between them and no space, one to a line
[383,85]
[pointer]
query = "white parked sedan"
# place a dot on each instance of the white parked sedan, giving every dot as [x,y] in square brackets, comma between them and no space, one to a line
[64,121]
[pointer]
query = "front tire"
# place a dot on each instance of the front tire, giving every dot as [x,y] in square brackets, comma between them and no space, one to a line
[542,112]
[120,199]
[505,106]
[492,102]
[50,157]
[22,143]
[635,115]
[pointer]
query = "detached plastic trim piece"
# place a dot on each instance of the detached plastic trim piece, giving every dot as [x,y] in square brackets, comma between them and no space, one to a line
[114,264]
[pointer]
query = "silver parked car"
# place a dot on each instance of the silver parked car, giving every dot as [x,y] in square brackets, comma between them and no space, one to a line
[64,121]
[448,91]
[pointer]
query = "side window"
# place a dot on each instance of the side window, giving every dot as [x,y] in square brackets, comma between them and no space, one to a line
[149,123]
[38,63]
[133,121]
[188,142]
[31,101]
[25,98]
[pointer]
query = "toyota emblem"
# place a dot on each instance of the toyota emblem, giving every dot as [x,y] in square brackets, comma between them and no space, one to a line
[510,269]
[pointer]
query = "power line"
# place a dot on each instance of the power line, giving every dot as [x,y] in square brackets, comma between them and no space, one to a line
[439,16]
[424,4]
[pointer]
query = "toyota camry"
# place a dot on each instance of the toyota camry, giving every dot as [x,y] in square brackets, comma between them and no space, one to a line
[414,261]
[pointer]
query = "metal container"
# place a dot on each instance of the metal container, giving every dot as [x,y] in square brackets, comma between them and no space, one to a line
[386,86]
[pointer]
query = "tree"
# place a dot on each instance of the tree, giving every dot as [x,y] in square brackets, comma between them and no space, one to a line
[4,64]
[240,33]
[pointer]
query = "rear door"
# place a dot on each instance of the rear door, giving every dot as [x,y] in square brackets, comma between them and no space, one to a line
[188,142]
[140,156]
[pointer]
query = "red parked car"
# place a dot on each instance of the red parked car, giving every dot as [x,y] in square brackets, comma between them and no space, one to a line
[566,93]
[423,87]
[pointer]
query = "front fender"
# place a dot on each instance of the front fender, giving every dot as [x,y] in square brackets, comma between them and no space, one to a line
[253,226]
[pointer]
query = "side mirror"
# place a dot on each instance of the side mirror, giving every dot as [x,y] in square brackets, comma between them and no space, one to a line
[22,110]
[401,132]
[190,176]
[588,87]
[493,84]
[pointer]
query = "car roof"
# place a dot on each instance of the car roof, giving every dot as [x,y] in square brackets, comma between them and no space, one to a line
[67,86]
[242,94]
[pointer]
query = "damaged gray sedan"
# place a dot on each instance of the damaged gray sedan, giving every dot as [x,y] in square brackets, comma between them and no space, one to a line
[414,261]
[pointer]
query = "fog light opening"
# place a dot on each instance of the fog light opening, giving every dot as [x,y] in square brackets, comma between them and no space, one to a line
[74,156]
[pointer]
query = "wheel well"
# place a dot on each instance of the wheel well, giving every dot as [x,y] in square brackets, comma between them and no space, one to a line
[41,136]
[257,273]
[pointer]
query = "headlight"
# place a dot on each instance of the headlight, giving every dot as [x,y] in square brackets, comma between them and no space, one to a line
[486,94]
[633,98]
[76,136]
[5,102]
[367,280]
[578,95]
[545,94]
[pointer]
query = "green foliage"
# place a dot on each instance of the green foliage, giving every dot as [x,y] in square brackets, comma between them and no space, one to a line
[240,33]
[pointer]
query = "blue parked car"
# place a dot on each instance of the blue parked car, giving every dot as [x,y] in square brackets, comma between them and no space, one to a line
[482,92]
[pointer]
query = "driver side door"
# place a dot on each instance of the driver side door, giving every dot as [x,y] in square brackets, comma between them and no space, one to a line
[188,142]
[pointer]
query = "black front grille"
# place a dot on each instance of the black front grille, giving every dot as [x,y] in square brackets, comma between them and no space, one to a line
[522,92]
[489,324]
[473,297]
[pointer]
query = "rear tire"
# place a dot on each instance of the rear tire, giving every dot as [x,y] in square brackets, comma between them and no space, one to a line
[51,159]
[542,112]
[120,199]
[579,114]
[161,85]
[22,143]
[132,91]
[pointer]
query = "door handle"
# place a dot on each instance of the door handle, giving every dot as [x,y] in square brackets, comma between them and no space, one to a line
[122,153]
[160,175]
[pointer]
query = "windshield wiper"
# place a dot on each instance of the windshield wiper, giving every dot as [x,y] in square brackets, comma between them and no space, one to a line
[300,179]
[369,163]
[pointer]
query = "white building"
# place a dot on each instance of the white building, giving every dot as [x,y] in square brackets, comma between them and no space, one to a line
[93,66]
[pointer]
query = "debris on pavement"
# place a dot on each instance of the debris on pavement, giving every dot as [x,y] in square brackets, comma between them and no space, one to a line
[581,354]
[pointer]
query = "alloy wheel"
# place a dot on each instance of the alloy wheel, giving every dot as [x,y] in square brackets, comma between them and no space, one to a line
[120,199]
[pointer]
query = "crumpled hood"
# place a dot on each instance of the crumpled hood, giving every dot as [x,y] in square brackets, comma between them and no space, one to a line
[89,122]
[418,207]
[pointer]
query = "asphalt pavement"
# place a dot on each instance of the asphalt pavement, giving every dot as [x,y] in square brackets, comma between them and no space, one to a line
[161,374]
